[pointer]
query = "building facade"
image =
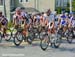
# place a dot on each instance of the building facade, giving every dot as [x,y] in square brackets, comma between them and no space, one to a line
[61,3]
[8,6]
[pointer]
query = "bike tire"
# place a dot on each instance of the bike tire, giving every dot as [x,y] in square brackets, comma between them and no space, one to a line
[0,38]
[44,47]
[56,42]
[7,37]
[18,41]
[70,37]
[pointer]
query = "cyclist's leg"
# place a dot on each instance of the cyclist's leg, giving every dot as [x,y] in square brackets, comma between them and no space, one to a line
[52,28]
[64,28]
[3,29]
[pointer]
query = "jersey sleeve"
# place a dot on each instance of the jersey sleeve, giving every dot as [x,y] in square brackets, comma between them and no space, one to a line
[14,16]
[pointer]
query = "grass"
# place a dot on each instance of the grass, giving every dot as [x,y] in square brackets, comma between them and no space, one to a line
[10,24]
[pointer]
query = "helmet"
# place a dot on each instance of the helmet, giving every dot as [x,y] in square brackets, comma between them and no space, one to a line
[18,8]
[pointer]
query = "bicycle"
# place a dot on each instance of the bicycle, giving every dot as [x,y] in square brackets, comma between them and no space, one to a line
[50,39]
[9,33]
[68,34]
[22,34]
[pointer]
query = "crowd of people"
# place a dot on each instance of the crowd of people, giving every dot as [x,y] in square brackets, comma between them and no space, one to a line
[44,19]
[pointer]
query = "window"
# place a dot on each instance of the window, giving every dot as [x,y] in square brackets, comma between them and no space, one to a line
[23,0]
[12,2]
[1,2]
[61,3]
[26,0]
[58,3]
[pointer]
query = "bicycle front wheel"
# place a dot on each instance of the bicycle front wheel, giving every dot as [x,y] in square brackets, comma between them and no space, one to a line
[44,42]
[18,38]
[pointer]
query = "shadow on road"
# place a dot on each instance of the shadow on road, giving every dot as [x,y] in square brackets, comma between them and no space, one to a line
[67,49]
[20,47]
[10,41]
[35,44]
[62,49]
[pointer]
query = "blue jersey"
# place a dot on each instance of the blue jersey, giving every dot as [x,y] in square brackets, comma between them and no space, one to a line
[3,20]
[63,17]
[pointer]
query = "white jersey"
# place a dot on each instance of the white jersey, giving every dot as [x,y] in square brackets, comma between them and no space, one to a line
[72,21]
[18,18]
[49,25]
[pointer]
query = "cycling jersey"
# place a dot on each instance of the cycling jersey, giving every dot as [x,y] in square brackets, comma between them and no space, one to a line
[63,22]
[18,19]
[51,17]
[26,16]
[50,27]
[38,17]
[45,16]
[72,21]
[3,20]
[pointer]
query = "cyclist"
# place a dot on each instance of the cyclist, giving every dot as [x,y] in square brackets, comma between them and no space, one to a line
[42,21]
[63,22]
[19,18]
[45,17]
[3,23]
[71,20]
[51,21]
[20,21]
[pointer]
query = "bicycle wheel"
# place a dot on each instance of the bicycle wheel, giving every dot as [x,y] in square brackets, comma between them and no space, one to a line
[70,37]
[44,42]
[31,35]
[29,40]
[7,35]
[57,41]
[18,38]
[0,37]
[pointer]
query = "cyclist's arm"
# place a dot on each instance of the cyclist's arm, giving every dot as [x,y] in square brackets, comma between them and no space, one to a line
[1,20]
[59,20]
[14,20]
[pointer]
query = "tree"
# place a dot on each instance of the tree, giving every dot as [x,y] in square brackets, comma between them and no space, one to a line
[58,9]
[67,8]
[73,5]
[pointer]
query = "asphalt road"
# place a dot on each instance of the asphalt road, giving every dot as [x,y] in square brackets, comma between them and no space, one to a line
[8,49]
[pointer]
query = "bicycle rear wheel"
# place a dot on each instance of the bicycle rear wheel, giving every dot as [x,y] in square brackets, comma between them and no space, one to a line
[69,35]
[70,38]
[55,41]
